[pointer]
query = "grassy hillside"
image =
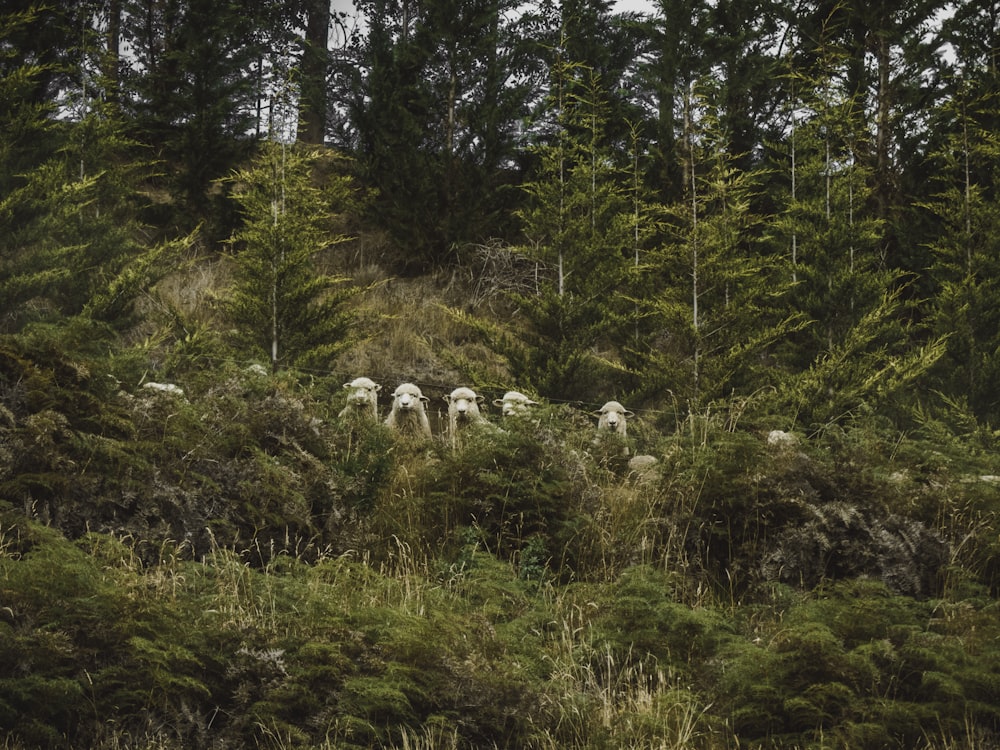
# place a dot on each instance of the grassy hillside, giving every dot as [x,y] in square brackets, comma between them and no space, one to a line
[235,567]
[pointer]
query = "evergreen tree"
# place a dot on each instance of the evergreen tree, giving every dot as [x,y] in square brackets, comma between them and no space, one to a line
[191,87]
[891,68]
[832,239]
[48,37]
[72,241]
[433,93]
[966,257]
[744,44]
[674,60]
[578,233]
[26,128]
[973,33]
[313,68]
[284,306]
[591,34]
[860,349]
[718,311]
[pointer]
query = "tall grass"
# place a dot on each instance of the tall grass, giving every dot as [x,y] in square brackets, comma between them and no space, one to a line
[596,698]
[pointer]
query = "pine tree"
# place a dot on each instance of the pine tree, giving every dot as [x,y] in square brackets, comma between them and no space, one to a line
[607,43]
[284,306]
[860,349]
[743,37]
[72,240]
[433,93]
[190,92]
[578,233]
[890,67]
[313,66]
[834,242]
[674,60]
[718,310]
[966,256]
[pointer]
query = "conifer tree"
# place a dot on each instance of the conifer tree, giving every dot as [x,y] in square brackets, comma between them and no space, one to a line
[859,347]
[674,59]
[26,129]
[965,270]
[285,307]
[190,90]
[834,242]
[72,241]
[578,233]
[718,310]
[313,64]
[432,94]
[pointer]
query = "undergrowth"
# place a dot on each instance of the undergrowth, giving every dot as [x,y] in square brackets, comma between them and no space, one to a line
[234,567]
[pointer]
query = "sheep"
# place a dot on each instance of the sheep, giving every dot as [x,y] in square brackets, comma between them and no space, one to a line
[463,412]
[168,388]
[408,415]
[514,403]
[781,439]
[257,370]
[362,400]
[644,469]
[613,417]
[613,420]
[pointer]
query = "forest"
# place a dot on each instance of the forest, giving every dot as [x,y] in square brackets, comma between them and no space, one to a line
[770,229]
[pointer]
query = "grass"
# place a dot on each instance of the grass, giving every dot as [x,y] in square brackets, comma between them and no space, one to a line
[523,592]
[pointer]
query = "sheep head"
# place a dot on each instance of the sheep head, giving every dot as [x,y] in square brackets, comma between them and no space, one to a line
[613,417]
[514,403]
[408,397]
[408,416]
[362,394]
[463,405]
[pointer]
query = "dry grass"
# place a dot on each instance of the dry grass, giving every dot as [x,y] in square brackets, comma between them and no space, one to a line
[597,699]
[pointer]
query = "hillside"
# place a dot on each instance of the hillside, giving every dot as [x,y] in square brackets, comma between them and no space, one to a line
[769,230]
[236,567]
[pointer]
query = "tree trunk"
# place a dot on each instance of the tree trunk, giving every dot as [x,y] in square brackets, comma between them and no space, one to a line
[313,68]
[112,53]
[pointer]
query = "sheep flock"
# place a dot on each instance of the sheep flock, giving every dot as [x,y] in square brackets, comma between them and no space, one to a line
[409,410]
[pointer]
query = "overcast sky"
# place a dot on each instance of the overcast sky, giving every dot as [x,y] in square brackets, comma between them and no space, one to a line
[645,6]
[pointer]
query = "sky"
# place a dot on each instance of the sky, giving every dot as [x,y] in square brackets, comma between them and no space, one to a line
[642,6]
[621,6]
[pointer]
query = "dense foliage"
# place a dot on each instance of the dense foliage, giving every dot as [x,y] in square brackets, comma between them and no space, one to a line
[767,228]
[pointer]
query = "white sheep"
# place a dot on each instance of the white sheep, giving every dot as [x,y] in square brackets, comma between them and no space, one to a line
[644,469]
[168,388]
[514,403]
[463,412]
[613,417]
[408,415]
[362,400]
[782,439]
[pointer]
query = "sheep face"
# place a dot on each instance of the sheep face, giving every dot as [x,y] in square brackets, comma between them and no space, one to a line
[463,406]
[613,417]
[362,398]
[408,398]
[514,403]
[408,414]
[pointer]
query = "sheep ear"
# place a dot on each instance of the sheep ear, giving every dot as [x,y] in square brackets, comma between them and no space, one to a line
[425,399]
[347,385]
[378,387]
[597,413]
[629,414]
[498,402]
[480,399]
